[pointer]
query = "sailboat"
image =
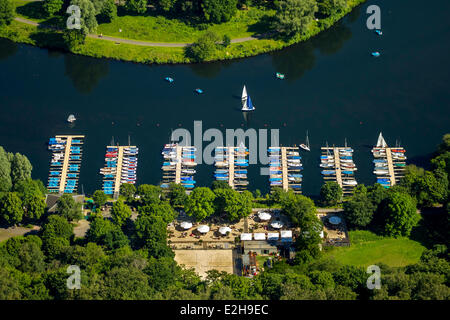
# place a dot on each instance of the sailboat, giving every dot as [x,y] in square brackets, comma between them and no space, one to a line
[306,146]
[247,104]
[381,143]
[71,118]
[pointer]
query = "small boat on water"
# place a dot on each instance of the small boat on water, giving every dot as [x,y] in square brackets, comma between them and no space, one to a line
[280,75]
[247,104]
[305,146]
[380,171]
[350,182]
[375,54]
[199,91]
[71,118]
[378,32]
[168,79]
[328,172]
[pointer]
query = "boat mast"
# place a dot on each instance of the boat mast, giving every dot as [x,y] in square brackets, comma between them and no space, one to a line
[307,139]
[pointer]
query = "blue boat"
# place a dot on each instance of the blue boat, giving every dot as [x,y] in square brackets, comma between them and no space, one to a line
[275,179]
[295,175]
[221,178]
[188,185]
[347,172]
[294,157]
[379,161]
[164,185]
[327,172]
[168,79]
[378,32]
[199,91]
[346,157]
[375,54]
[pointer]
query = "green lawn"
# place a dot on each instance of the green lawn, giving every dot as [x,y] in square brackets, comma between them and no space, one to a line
[161,29]
[368,248]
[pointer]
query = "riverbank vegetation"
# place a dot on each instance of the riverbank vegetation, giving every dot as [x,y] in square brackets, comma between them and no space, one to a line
[127,256]
[231,26]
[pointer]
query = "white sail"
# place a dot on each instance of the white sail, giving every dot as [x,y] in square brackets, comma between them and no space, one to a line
[244,96]
[381,142]
[71,118]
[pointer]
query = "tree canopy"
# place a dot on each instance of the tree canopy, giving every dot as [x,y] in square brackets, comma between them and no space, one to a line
[200,203]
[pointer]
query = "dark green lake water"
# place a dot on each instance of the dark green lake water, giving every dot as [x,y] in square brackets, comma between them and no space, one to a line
[333,88]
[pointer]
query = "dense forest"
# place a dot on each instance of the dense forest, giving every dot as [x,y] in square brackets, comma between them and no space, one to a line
[124,258]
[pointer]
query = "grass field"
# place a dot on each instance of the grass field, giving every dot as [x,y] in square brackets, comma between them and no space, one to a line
[368,248]
[162,29]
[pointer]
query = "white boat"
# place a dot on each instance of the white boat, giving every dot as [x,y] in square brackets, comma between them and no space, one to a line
[305,146]
[377,171]
[381,143]
[71,118]
[350,182]
[188,171]
[247,104]
[346,160]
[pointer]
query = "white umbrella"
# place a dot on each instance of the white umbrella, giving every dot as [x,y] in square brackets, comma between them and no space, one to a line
[224,230]
[264,216]
[276,224]
[203,228]
[334,220]
[186,225]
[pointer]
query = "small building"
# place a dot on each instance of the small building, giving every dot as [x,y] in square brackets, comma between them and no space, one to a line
[260,247]
[51,200]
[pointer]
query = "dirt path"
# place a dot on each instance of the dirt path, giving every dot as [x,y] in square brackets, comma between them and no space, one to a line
[136,42]
[6,233]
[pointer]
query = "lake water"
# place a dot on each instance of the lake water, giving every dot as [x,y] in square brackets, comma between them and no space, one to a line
[333,88]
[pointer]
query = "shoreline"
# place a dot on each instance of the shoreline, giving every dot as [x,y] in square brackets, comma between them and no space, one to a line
[21,32]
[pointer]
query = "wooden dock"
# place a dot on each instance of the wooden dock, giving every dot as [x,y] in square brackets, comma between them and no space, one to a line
[117,183]
[62,183]
[338,176]
[230,153]
[284,170]
[390,166]
[174,172]
[395,172]
[287,168]
[67,161]
[178,165]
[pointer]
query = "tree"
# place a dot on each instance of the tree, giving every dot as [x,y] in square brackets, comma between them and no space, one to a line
[6,12]
[226,40]
[236,205]
[32,198]
[359,210]
[88,13]
[299,208]
[31,258]
[294,16]
[177,195]
[204,47]
[330,7]
[330,193]
[167,5]
[200,203]
[11,208]
[128,190]
[5,165]
[57,227]
[162,209]
[99,198]
[20,168]
[149,194]
[9,286]
[220,184]
[69,208]
[217,11]
[400,214]
[120,212]
[108,12]
[52,6]
[151,234]
[126,284]
[136,6]
[74,38]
